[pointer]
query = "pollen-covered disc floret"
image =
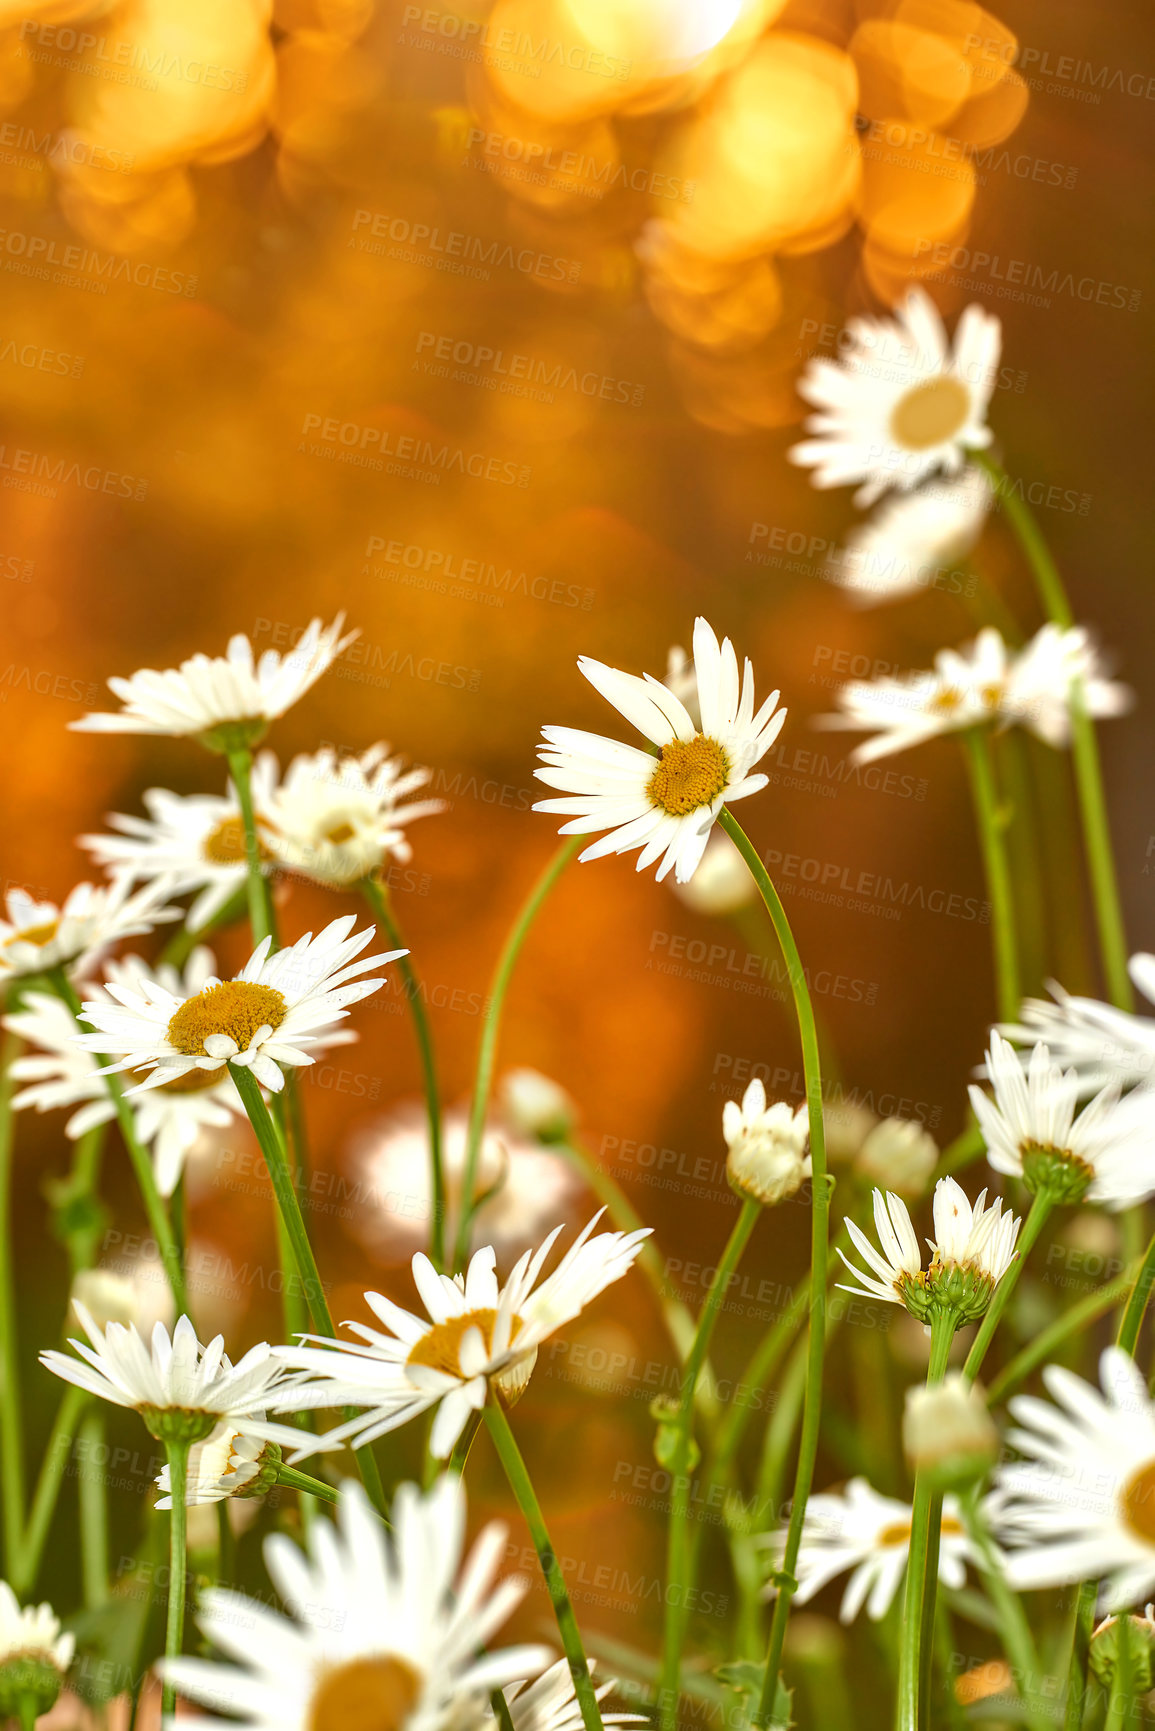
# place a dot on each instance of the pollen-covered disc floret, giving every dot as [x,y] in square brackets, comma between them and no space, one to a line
[1033,1130]
[901,403]
[338,819]
[277,1006]
[385,1631]
[477,1336]
[767,1146]
[665,807]
[39,936]
[225,701]
[972,1249]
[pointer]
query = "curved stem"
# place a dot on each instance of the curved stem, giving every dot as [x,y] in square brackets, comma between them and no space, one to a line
[922,1562]
[491,1027]
[11,1427]
[1052,592]
[1132,1319]
[257,889]
[991,822]
[1042,1205]
[812,1412]
[52,1469]
[1073,1321]
[679,1552]
[378,898]
[521,1485]
[177,1564]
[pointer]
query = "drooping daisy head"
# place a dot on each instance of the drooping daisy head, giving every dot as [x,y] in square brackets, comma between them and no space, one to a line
[39,936]
[1080,1505]
[276,1006]
[914,541]
[1102,1044]
[1034,1131]
[224,701]
[869,1534]
[476,1338]
[1044,675]
[667,804]
[972,1249]
[188,842]
[228,1463]
[34,1657]
[339,819]
[767,1146]
[181,1389]
[900,403]
[965,688]
[550,1703]
[386,1632]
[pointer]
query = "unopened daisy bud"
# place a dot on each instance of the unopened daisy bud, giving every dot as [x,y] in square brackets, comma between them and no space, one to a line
[898,1154]
[948,1433]
[722,883]
[767,1157]
[1107,1640]
[34,1656]
[537,1106]
[107,1297]
[847,1125]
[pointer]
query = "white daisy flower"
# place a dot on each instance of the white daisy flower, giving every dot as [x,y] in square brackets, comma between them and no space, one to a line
[337,820]
[262,1019]
[168,1120]
[869,1534]
[550,1704]
[964,689]
[209,693]
[188,842]
[387,1631]
[38,936]
[913,541]
[177,1375]
[476,1334]
[32,1631]
[668,805]
[1038,695]
[1081,1505]
[1033,1131]
[900,403]
[972,1249]
[228,1463]
[767,1146]
[1101,1043]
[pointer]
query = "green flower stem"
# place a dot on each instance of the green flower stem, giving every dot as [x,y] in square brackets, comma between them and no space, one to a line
[521,1485]
[299,1481]
[1088,771]
[23,1574]
[78,1215]
[377,897]
[1074,1321]
[820,1208]
[1132,1318]
[1082,1624]
[92,1495]
[177,1563]
[491,1027]
[1014,1630]
[679,1323]
[11,1427]
[257,888]
[155,1208]
[679,1551]
[990,818]
[921,1589]
[289,1208]
[1042,1204]
[184,940]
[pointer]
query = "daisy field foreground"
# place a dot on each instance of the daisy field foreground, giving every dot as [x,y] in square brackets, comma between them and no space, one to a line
[953,1501]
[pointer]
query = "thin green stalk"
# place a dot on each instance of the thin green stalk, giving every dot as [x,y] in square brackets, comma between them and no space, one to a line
[812,1412]
[1088,771]
[92,1496]
[256,885]
[299,1481]
[922,1562]
[1042,1348]
[177,1451]
[11,1424]
[491,1027]
[154,1204]
[1014,1629]
[679,1551]
[78,1217]
[289,1207]
[52,1469]
[991,823]
[1042,1204]
[521,1485]
[377,896]
[1132,1318]
[1081,1625]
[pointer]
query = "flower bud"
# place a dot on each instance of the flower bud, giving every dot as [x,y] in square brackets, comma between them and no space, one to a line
[847,1126]
[766,1158]
[106,1296]
[948,1433]
[898,1155]
[34,1656]
[1105,1647]
[537,1107]
[722,883]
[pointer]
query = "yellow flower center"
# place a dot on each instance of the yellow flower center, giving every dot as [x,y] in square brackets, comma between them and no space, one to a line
[930,414]
[690,773]
[38,935]
[236,1007]
[441,1347]
[947,699]
[341,834]
[370,1694]
[898,1533]
[225,845]
[1139,1503]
